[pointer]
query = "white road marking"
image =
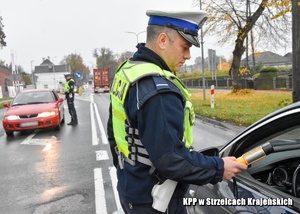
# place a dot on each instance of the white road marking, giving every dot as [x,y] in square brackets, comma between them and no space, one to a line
[102,132]
[36,142]
[95,140]
[114,180]
[40,142]
[29,138]
[102,155]
[99,192]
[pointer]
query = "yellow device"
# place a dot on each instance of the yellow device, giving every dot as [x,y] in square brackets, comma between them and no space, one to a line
[256,154]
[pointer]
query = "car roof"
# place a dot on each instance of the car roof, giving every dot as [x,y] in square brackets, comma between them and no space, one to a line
[35,90]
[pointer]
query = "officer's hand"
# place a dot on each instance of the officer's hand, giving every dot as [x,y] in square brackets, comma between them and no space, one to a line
[232,168]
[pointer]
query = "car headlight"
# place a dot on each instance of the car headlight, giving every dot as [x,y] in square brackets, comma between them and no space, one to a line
[46,114]
[11,117]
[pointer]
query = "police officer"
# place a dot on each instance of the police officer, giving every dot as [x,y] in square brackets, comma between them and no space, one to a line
[69,96]
[150,121]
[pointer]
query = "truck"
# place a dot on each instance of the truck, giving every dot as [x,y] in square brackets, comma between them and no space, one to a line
[101,80]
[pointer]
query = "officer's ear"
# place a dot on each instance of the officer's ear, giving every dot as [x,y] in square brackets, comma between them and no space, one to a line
[162,40]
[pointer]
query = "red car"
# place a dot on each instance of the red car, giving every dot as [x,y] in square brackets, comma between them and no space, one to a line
[33,109]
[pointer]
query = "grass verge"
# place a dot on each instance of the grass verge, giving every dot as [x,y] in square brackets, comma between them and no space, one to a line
[243,107]
[4,100]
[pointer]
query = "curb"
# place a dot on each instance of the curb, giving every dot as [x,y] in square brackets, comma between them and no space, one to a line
[222,125]
[5,101]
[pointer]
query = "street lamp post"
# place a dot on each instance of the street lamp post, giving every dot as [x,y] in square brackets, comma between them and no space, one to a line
[54,72]
[33,82]
[136,34]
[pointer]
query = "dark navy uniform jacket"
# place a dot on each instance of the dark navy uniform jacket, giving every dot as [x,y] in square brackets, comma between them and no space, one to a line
[158,113]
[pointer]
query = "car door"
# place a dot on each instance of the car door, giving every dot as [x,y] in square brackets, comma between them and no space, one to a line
[59,105]
[253,190]
[239,197]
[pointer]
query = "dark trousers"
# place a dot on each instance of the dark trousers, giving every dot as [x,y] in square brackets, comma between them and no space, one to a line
[72,110]
[175,207]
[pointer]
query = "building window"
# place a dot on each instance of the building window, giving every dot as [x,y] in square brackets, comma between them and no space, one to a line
[6,84]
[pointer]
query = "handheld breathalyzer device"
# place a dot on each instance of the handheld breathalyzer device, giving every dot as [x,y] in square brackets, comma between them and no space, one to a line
[255,154]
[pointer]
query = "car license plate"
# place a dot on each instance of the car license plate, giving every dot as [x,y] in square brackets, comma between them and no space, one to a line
[26,124]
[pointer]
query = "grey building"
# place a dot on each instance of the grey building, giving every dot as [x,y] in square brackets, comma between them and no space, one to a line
[269,58]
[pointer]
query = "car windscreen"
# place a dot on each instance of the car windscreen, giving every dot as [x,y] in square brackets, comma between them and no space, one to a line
[33,98]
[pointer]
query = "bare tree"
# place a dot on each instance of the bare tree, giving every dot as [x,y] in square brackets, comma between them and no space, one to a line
[105,59]
[296,50]
[127,55]
[2,34]
[75,62]
[124,56]
[230,22]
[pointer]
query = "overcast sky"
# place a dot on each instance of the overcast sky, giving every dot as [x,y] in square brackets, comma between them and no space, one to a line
[36,29]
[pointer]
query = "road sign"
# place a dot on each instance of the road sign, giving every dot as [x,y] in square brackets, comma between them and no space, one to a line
[78,75]
[212,60]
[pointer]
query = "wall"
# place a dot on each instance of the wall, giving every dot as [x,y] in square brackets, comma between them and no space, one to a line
[5,73]
[47,80]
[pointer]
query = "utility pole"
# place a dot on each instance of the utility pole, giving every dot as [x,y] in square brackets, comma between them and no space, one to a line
[202,51]
[296,49]
[32,73]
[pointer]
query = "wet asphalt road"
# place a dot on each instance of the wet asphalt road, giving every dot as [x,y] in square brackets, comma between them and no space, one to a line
[70,171]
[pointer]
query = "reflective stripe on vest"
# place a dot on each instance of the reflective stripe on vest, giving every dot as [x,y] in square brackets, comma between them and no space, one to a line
[129,73]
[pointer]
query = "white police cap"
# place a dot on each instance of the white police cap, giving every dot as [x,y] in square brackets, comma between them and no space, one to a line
[186,23]
[67,74]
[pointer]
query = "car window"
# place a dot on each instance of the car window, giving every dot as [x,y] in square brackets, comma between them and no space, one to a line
[259,136]
[277,169]
[55,95]
[33,97]
[48,97]
[20,99]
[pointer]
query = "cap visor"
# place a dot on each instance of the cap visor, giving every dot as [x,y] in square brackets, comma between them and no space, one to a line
[192,39]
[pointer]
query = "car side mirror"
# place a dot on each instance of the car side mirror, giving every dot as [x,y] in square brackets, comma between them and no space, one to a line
[6,105]
[60,99]
[211,151]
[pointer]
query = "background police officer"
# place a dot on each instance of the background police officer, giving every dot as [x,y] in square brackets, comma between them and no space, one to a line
[69,96]
[146,127]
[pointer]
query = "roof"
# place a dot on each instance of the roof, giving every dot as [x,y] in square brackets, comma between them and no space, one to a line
[268,58]
[289,55]
[46,62]
[47,67]
[5,67]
